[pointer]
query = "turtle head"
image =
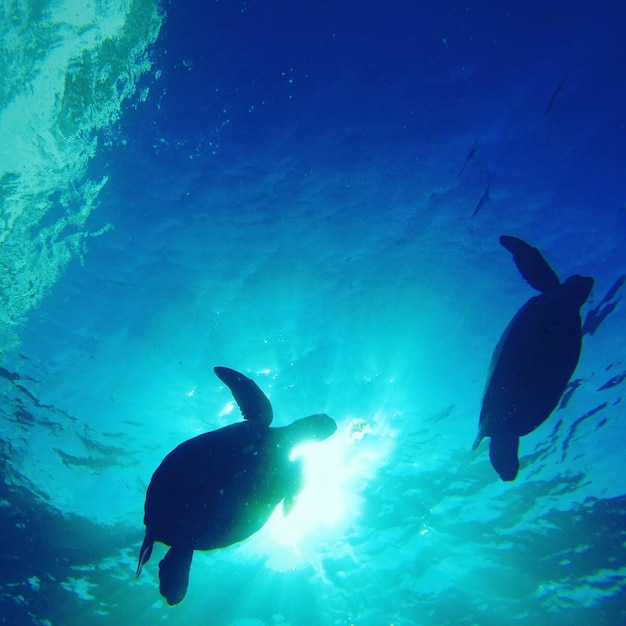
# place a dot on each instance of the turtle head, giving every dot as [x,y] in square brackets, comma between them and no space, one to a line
[312,428]
[578,288]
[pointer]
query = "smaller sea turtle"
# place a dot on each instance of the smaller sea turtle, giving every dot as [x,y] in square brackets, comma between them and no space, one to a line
[534,359]
[221,487]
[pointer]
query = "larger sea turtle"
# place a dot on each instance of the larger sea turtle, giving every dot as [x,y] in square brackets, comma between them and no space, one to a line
[534,359]
[221,487]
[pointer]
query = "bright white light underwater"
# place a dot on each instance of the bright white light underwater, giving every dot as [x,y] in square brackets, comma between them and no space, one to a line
[336,470]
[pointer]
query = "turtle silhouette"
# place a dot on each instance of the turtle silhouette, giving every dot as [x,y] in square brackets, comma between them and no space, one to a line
[533,360]
[222,486]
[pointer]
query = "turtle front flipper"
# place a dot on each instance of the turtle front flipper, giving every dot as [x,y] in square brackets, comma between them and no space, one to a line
[174,574]
[503,455]
[254,404]
[531,264]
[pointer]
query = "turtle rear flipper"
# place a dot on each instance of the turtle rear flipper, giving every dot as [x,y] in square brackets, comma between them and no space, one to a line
[503,455]
[144,553]
[477,441]
[174,574]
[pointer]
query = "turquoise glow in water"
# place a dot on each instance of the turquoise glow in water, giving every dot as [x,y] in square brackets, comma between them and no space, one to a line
[312,195]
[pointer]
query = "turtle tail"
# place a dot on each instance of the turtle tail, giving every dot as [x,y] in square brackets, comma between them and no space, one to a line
[144,553]
[479,437]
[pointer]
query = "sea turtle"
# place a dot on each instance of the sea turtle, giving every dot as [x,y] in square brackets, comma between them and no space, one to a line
[221,487]
[534,359]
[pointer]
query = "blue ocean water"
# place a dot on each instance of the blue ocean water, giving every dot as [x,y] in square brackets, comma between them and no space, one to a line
[310,193]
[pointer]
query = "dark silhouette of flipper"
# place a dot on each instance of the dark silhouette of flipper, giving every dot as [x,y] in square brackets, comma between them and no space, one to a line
[503,455]
[531,264]
[254,405]
[174,574]
[144,553]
